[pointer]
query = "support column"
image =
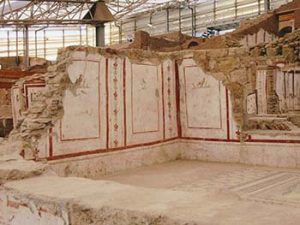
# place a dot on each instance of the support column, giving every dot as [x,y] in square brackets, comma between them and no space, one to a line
[26,46]
[179,18]
[168,20]
[193,19]
[100,35]
[120,32]
[267,5]
[8,44]
[63,38]
[17,46]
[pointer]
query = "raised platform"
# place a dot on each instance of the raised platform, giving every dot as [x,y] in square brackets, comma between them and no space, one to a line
[179,192]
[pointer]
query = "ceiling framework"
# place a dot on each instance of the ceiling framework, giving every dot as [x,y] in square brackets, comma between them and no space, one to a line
[130,8]
[65,12]
[40,14]
[123,8]
[44,12]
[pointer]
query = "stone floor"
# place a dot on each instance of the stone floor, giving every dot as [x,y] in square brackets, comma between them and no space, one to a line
[260,184]
[181,192]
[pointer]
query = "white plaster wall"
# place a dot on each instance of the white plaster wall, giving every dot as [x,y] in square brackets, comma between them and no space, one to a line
[93,166]
[83,126]
[144,99]
[116,104]
[134,104]
[202,103]
[263,154]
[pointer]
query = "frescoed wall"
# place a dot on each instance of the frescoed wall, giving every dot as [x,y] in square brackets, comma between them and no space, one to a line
[204,104]
[115,103]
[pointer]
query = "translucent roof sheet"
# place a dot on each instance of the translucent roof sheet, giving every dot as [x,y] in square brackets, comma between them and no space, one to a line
[20,12]
[9,6]
[131,7]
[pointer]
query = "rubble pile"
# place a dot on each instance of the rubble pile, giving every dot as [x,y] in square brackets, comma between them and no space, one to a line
[268,124]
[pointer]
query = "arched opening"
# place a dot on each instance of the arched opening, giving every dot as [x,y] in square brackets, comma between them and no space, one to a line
[285,31]
[193,44]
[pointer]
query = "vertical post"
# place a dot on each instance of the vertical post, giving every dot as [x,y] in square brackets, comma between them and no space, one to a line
[80,34]
[193,19]
[100,31]
[267,5]
[235,9]
[120,32]
[87,35]
[35,43]
[8,44]
[168,20]
[26,46]
[45,53]
[63,38]
[179,18]
[110,37]
[214,10]
[135,26]
[17,46]
[192,11]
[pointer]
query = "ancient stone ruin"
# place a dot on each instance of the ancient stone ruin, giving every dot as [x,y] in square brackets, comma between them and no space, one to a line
[99,111]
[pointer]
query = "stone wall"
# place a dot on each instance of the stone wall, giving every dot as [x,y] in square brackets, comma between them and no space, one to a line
[5,104]
[6,122]
[17,63]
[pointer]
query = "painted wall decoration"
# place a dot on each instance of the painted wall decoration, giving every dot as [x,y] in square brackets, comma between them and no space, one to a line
[203,103]
[144,108]
[120,105]
[15,210]
[115,104]
[116,126]
[170,104]
[83,126]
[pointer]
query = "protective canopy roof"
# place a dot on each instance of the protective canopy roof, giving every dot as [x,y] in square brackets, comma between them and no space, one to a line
[23,12]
